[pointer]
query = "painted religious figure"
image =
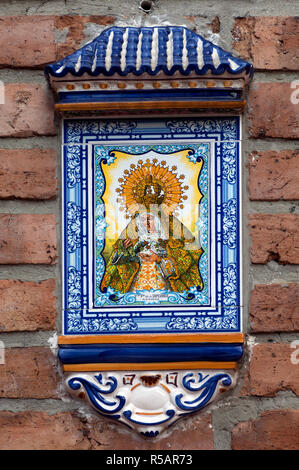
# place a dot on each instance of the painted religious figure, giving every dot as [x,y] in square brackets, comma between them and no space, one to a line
[155,251]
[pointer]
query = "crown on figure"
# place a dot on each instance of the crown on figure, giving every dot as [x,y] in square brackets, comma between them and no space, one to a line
[151,183]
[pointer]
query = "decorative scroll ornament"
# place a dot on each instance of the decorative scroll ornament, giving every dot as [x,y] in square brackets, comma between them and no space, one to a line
[146,401]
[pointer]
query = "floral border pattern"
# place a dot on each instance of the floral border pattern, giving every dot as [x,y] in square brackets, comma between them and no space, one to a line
[104,154]
[79,135]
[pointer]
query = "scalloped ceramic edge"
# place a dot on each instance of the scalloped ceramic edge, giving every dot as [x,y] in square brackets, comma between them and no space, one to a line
[149,401]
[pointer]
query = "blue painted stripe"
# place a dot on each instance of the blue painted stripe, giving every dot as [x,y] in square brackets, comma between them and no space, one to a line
[120,96]
[84,354]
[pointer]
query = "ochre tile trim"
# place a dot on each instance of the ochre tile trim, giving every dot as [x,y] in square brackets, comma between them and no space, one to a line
[149,366]
[153,338]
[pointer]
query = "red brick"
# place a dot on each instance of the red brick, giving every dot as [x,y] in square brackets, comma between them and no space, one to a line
[35,430]
[75,31]
[213,26]
[274,175]
[28,373]
[27,306]
[271,43]
[273,430]
[274,237]
[274,308]
[27,173]
[271,111]
[192,433]
[271,370]
[27,41]
[27,239]
[28,111]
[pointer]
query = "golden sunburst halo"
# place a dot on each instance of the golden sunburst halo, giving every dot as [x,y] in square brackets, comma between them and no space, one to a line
[151,183]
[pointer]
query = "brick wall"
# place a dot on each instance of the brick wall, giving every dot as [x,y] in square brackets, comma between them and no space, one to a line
[262,412]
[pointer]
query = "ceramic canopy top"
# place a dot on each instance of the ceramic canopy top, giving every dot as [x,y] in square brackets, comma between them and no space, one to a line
[149,50]
[161,68]
[152,329]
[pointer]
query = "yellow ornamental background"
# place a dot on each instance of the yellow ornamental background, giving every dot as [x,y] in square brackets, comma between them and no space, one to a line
[170,176]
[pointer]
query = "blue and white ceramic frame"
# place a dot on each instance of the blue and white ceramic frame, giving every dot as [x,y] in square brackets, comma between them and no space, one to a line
[221,310]
[148,361]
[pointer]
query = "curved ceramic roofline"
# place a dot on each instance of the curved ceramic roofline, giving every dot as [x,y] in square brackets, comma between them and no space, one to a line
[148,50]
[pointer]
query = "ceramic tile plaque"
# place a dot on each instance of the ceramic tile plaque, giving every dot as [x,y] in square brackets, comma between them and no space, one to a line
[151,222]
[151,226]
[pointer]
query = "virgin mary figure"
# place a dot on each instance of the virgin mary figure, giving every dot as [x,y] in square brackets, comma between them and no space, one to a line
[155,251]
